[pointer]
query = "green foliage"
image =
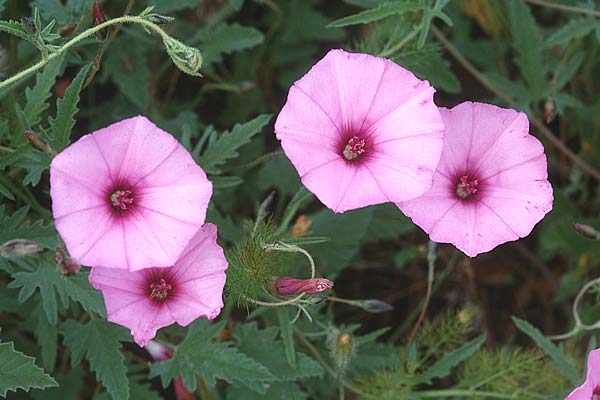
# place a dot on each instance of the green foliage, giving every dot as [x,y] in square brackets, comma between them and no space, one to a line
[16,226]
[379,12]
[18,371]
[37,95]
[221,148]
[226,39]
[197,355]
[52,285]
[100,343]
[66,108]
[554,352]
[518,373]
[251,268]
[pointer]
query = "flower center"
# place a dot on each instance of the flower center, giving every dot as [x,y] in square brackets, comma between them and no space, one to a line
[159,291]
[121,199]
[354,148]
[466,187]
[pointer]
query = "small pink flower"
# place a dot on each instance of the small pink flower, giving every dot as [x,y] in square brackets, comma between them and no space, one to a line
[127,196]
[288,285]
[361,130]
[590,389]
[491,184]
[147,300]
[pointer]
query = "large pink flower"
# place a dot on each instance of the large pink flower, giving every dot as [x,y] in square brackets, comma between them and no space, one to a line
[361,130]
[147,300]
[127,196]
[590,389]
[491,184]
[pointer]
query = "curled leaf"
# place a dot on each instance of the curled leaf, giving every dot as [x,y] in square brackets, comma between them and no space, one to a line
[188,59]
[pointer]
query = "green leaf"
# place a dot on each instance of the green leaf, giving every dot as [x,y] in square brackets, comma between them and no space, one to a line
[99,342]
[224,147]
[2,4]
[16,28]
[527,41]
[53,284]
[375,14]
[387,223]
[285,326]
[275,391]
[197,356]
[188,59]
[142,391]
[37,96]
[445,364]
[46,336]
[18,371]
[575,28]
[226,39]
[262,346]
[173,5]
[66,108]
[15,226]
[555,353]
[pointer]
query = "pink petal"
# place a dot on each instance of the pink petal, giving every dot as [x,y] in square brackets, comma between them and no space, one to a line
[170,196]
[388,107]
[592,380]
[196,280]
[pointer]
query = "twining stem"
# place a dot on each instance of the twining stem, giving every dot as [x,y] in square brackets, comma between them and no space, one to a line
[585,167]
[80,37]
[289,249]
[564,7]
[579,325]
[431,257]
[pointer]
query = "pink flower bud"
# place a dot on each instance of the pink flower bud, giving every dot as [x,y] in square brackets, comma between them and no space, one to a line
[65,264]
[288,285]
[158,351]
[98,14]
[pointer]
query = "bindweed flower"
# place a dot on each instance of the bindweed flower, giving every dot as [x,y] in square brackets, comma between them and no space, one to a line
[590,389]
[361,130]
[491,184]
[127,196]
[147,300]
[287,285]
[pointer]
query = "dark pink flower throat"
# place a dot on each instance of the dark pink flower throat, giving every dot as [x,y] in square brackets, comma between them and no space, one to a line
[159,290]
[467,187]
[121,199]
[354,148]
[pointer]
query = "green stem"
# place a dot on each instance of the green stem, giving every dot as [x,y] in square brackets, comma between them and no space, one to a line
[292,208]
[401,43]
[77,39]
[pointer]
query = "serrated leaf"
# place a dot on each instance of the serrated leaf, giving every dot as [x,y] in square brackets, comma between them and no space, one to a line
[17,29]
[66,108]
[445,364]
[226,39]
[575,28]
[15,226]
[262,346]
[527,41]
[569,69]
[188,59]
[555,353]
[285,327]
[197,356]
[225,147]
[53,285]
[46,336]
[275,391]
[37,95]
[375,14]
[100,343]
[18,371]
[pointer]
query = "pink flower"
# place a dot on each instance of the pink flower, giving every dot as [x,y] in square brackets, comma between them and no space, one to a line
[147,300]
[127,196]
[361,130]
[590,389]
[288,285]
[490,186]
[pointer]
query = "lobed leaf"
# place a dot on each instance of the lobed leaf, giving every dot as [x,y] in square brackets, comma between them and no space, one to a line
[18,371]
[379,12]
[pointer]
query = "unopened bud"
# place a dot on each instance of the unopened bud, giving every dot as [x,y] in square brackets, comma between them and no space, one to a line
[64,264]
[19,248]
[39,143]
[158,351]
[342,349]
[98,18]
[549,110]
[287,285]
[587,231]
[375,306]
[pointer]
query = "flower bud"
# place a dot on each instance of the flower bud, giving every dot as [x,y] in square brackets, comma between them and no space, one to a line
[288,285]
[98,18]
[64,264]
[587,231]
[39,143]
[342,349]
[158,351]
[549,110]
[19,248]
